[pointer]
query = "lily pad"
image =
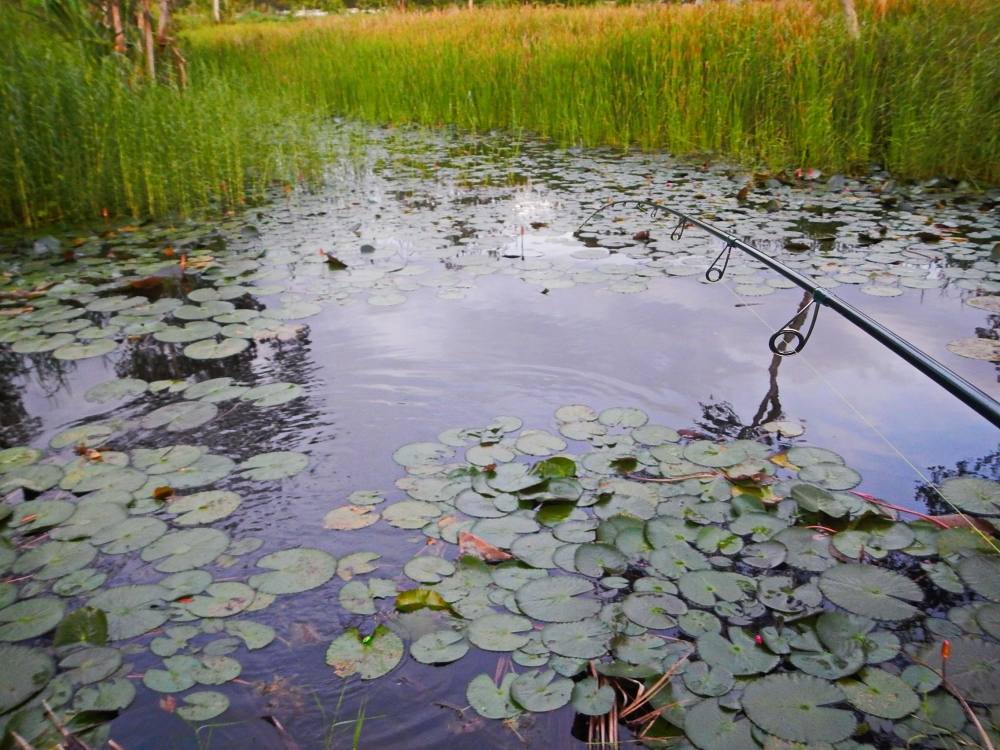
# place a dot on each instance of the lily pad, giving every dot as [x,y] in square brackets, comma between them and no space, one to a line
[132,610]
[294,571]
[557,599]
[795,707]
[709,727]
[369,657]
[881,694]
[30,618]
[585,639]
[871,591]
[499,632]
[179,416]
[204,507]
[539,691]
[973,495]
[26,671]
[186,550]
[203,705]
[740,654]
[490,700]
[275,465]
[439,647]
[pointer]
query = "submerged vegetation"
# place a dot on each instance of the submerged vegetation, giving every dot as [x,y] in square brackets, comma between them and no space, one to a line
[780,84]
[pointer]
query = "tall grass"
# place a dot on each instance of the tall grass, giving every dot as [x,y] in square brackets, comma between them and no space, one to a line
[777,83]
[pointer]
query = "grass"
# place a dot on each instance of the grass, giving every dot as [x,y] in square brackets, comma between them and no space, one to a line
[778,84]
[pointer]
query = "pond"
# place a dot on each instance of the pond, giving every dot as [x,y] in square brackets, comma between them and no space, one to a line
[240,444]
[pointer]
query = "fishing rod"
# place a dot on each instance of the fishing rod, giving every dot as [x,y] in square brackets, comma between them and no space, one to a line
[789,339]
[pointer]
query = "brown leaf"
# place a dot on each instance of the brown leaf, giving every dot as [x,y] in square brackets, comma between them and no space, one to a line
[470,544]
[163,494]
[168,703]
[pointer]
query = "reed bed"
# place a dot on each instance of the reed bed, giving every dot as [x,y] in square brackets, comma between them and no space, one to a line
[777,84]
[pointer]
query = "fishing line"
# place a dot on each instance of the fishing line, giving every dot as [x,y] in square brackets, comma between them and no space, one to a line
[874,428]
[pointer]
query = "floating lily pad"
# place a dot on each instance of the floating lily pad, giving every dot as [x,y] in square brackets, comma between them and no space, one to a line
[715,455]
[439,647]
[369,657]
[740,654]
[590,698]
[182,415]
[294,571]
[30,618]
[976,348]
[211,349]
[795,707]
[275,465]
[539,691]
[973,668]
[709,727]
[499,632]
[204,507]
[26,671]
[973,495]
[273,394]
[112,695]
[129,535]
[185,550]
[584,639]
[881,694]
[203,705]
[350,518]
[132,610]
[870,591]
[557,599]
[490,700]
[97,348]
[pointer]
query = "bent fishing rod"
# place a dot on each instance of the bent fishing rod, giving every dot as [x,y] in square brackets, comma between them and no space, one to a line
[789,339]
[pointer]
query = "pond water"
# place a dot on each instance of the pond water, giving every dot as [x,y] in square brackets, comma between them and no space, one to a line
[437,282]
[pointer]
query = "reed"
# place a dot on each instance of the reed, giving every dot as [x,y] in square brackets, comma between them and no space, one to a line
[776,84]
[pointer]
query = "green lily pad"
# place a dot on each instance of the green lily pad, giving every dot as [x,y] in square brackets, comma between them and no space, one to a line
[584,639]
[428,569]
[539,691]
[294,571]
[132,610]
[129,535]
[410,514]
[832,476]
[796,708]
[499,632]
[55,559]
[590,698]
[221,600]
[37,477]
[652,610]
[350,518]
[419,454]
[275,465]
[211,349]
[740,654]
[96,348]
[91,664]
[715,455]
[179,416]
[490,700]
[177,676]
[439,647]
[709,727]
[973,495]
[203,705]
[84,625]
[30,618]
[622,417]
[26,671]
[872,592]
[185,550]
[974,667]
[112,695]
[255,635]
[204,507]
[556,599]
[273,394]
[881,694]
[539,443]
[13,458]
[157,461]
[369,657]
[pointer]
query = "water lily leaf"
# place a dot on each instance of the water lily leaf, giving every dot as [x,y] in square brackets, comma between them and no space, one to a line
[590,698]
[275,465]
[294,571]
[410,514]
[711,683]
[91,664]
[499,632]
[873,537]
[807,549]
[30,618]
[26,671]
[832,476]
[129,535]
[114,390]
[881,694]
[221,600]
[829,665]
[653,610]
[676,559]
[203,705]
[976,348]
[870,591]
[165,460]
[37,477]
[196,331]
[79,582]
[623,417]
[216,670]
[113,695]
[13,458]
[369,657]
[55,559]
[177,676]
[557,467]
[88,519]
[539,691]
[293,310]
[415,599]
[486,455]
[652,434]
[490,700]
[84,625]
[132,610]
[428,569]
[740,655]
[973,495]
[576,413]
[707,587]
[556,599]
[715,455]
[765,555]
[709,727]
[595,559]
[419,454]
[513,478]
[273,394]
[96,348]
[356,563]
[255,635]
[204,507]
[179,416]
[795,707]
[439,647]
[355,597]
[539,443]
[584,639]
[215,390]
[185,550]
[814,499]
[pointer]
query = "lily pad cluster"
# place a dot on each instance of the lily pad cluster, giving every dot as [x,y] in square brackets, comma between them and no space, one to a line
[145,288]
[775,607]
[81,517]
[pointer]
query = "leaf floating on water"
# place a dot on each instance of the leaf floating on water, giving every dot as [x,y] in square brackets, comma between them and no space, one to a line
[203,705]
[84,625]
[870,591]
[490,700]
[26,671]
[350,518]
[796,708]
[275,465]
[368,657]
[976,348]
[294,570]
